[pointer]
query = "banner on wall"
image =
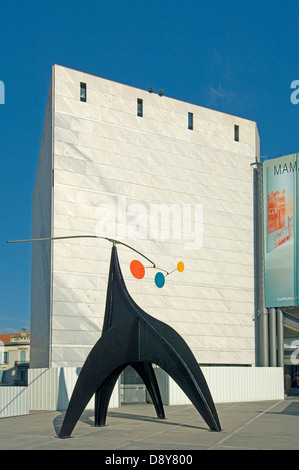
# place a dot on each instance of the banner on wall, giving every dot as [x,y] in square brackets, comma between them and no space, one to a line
[280,186]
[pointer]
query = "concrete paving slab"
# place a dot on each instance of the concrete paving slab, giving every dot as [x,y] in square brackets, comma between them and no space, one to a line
[269,425]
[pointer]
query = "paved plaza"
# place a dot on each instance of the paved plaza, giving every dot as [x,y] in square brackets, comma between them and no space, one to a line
[267,425]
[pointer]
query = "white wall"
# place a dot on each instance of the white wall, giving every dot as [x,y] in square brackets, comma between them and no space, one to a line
[13,401]
[237,384]
[102,150]
[41,269]
[50,389]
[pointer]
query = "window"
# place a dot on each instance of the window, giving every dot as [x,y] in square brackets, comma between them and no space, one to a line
[83,91]
[236,133]
[6,358]
[190,121]
[22,356]
[140,107]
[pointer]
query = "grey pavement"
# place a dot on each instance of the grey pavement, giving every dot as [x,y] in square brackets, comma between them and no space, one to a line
[266,425]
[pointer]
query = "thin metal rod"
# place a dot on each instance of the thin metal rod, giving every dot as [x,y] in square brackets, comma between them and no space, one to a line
[157,267]
[53,238]
[172,271]
[83,236]
[133,249]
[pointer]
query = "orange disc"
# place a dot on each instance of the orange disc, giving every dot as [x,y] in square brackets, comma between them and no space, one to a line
[137,269]
[180,267]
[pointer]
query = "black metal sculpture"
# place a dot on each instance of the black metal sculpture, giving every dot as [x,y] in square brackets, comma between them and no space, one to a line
[132,337]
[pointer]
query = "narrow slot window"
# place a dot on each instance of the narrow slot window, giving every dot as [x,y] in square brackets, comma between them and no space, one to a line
[83,92]
[237,133]
[190,121]
[140,107]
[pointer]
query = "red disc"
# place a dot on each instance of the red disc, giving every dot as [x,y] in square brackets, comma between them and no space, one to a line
[137,269]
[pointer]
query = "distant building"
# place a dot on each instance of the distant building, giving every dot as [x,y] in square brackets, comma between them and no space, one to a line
[14,358]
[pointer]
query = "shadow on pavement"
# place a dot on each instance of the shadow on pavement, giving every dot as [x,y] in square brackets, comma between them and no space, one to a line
[88,418]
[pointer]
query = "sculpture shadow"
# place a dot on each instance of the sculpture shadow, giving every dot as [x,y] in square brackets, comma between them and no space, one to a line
[132,416]
[292,410]
[87,417]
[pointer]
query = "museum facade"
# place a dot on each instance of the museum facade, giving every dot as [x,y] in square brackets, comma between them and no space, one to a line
[172,180]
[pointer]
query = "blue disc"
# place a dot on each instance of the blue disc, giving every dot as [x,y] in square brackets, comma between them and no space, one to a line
[159,280]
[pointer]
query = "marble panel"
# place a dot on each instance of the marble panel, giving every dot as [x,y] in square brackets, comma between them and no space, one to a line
[104,152]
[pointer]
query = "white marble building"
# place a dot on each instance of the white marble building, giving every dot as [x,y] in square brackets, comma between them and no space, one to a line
[174,193]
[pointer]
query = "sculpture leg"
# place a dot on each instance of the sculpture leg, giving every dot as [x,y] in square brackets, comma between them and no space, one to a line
[163,346]
[146,372]
[103,395]
[117,345]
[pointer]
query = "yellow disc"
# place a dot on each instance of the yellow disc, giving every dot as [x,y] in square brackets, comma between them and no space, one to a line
[180,267]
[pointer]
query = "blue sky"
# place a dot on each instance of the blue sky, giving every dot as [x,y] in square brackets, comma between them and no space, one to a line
[234,56]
